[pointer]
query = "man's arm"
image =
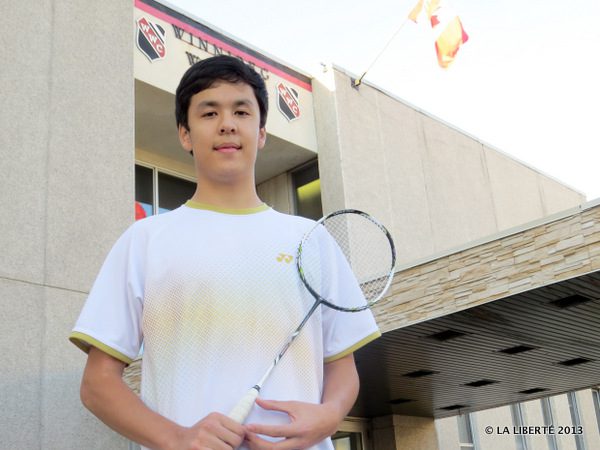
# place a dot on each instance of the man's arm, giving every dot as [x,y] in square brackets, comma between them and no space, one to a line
[311,423]
[106,395]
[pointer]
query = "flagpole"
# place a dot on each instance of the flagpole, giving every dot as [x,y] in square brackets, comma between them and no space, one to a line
[358,81]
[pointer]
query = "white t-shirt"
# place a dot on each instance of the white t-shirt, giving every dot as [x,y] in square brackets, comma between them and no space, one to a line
[213,294]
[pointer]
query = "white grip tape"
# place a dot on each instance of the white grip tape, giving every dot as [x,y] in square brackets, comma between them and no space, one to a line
[241,411]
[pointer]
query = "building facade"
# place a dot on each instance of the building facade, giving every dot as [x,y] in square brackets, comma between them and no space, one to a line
[90,144]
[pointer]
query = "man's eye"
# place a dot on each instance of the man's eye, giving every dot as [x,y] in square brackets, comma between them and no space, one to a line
[242,113]
[209,114]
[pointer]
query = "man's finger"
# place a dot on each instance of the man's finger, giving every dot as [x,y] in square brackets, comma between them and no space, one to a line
[276,405]
[256,443]
[283,431]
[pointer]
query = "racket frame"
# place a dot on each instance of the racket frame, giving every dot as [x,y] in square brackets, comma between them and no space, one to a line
[314,293]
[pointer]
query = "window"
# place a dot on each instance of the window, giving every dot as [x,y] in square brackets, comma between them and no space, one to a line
[347,440]
[465,432]
[575,419]
[144,192]
[173,192]
[518,416]
[549,420]
[307,191]
[157,192]
[596,397]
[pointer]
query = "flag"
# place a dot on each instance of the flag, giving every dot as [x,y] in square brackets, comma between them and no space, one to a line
[414,14]
[447,27]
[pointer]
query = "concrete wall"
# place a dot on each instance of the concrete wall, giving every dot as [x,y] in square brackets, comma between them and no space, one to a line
[398,432]
[434,186]
[277,193]
[66,184]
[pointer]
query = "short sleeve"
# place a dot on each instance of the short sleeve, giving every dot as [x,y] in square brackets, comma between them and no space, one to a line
[343,332]
[111,317]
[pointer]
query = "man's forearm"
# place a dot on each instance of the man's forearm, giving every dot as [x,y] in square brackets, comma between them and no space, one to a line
[340,385]
[105,394]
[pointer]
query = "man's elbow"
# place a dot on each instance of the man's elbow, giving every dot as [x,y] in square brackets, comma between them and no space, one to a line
[87,394]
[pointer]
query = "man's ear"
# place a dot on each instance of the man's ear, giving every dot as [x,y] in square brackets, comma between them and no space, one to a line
[262,137]
[185,138]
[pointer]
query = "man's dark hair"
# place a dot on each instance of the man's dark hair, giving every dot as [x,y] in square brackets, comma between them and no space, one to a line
[205,73]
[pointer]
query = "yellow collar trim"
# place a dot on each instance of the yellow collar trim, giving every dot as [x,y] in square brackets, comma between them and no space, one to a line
[205,206]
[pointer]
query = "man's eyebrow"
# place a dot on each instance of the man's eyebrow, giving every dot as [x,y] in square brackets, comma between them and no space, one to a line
[214,103]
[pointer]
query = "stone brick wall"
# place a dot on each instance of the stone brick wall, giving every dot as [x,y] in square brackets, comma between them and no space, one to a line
[517,261]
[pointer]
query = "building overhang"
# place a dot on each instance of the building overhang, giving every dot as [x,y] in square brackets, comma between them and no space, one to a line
[510,319]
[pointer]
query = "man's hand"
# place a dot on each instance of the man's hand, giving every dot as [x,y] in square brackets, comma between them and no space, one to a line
[105,394]
[215,432]
[309,424]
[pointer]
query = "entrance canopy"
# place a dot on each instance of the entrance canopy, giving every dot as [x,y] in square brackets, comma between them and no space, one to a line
[510,319]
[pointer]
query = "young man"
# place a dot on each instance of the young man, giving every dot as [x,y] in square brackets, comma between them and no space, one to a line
[206,290]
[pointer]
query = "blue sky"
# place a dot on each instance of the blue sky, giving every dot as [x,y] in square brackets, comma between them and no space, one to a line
[525,83]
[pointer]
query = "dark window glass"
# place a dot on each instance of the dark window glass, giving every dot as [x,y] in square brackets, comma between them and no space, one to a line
[344,440]
[307,192]
[143,192]
[173,192]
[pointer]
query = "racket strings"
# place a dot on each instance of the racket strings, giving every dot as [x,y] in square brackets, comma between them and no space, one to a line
[367,249]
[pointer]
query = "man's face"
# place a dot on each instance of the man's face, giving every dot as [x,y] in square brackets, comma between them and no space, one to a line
[224,132]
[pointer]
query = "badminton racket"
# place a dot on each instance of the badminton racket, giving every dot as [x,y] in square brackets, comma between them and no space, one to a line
[368,250]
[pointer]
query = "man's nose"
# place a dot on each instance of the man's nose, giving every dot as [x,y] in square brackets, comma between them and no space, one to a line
[228,124]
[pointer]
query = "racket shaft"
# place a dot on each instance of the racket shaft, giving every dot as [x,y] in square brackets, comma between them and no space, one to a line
[240,412]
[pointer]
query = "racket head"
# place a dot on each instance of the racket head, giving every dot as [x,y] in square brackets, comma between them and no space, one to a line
[358,241]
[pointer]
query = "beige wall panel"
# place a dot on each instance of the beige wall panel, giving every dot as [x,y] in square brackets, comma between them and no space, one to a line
[556,197]
[363,157]
[66,424]
[91,148]
[439,194]
[24,115]
[330,171]
[276,193]
[408,210]
[517,194]
[534,418]
[458,189]
[562,417]
[447,432]
[589,421]
[21,343]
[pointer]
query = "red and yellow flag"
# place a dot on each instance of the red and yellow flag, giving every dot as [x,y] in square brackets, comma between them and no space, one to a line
[448,30]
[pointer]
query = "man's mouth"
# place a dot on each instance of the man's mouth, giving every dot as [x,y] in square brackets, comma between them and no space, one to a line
[227,147]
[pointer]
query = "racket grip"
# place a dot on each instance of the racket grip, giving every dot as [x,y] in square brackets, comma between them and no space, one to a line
[241,411]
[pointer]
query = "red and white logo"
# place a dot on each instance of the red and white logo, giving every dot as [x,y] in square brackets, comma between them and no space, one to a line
[288,102]
[150,39]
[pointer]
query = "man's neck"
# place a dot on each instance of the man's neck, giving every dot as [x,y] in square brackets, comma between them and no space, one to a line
[227,196]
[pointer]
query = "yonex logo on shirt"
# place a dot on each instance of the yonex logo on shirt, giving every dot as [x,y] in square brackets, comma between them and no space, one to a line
[284,257]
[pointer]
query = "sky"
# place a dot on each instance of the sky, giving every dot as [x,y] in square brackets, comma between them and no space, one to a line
[526,82]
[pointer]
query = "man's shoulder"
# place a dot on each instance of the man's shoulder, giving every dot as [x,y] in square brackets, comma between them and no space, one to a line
[154,223]
[292,219]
